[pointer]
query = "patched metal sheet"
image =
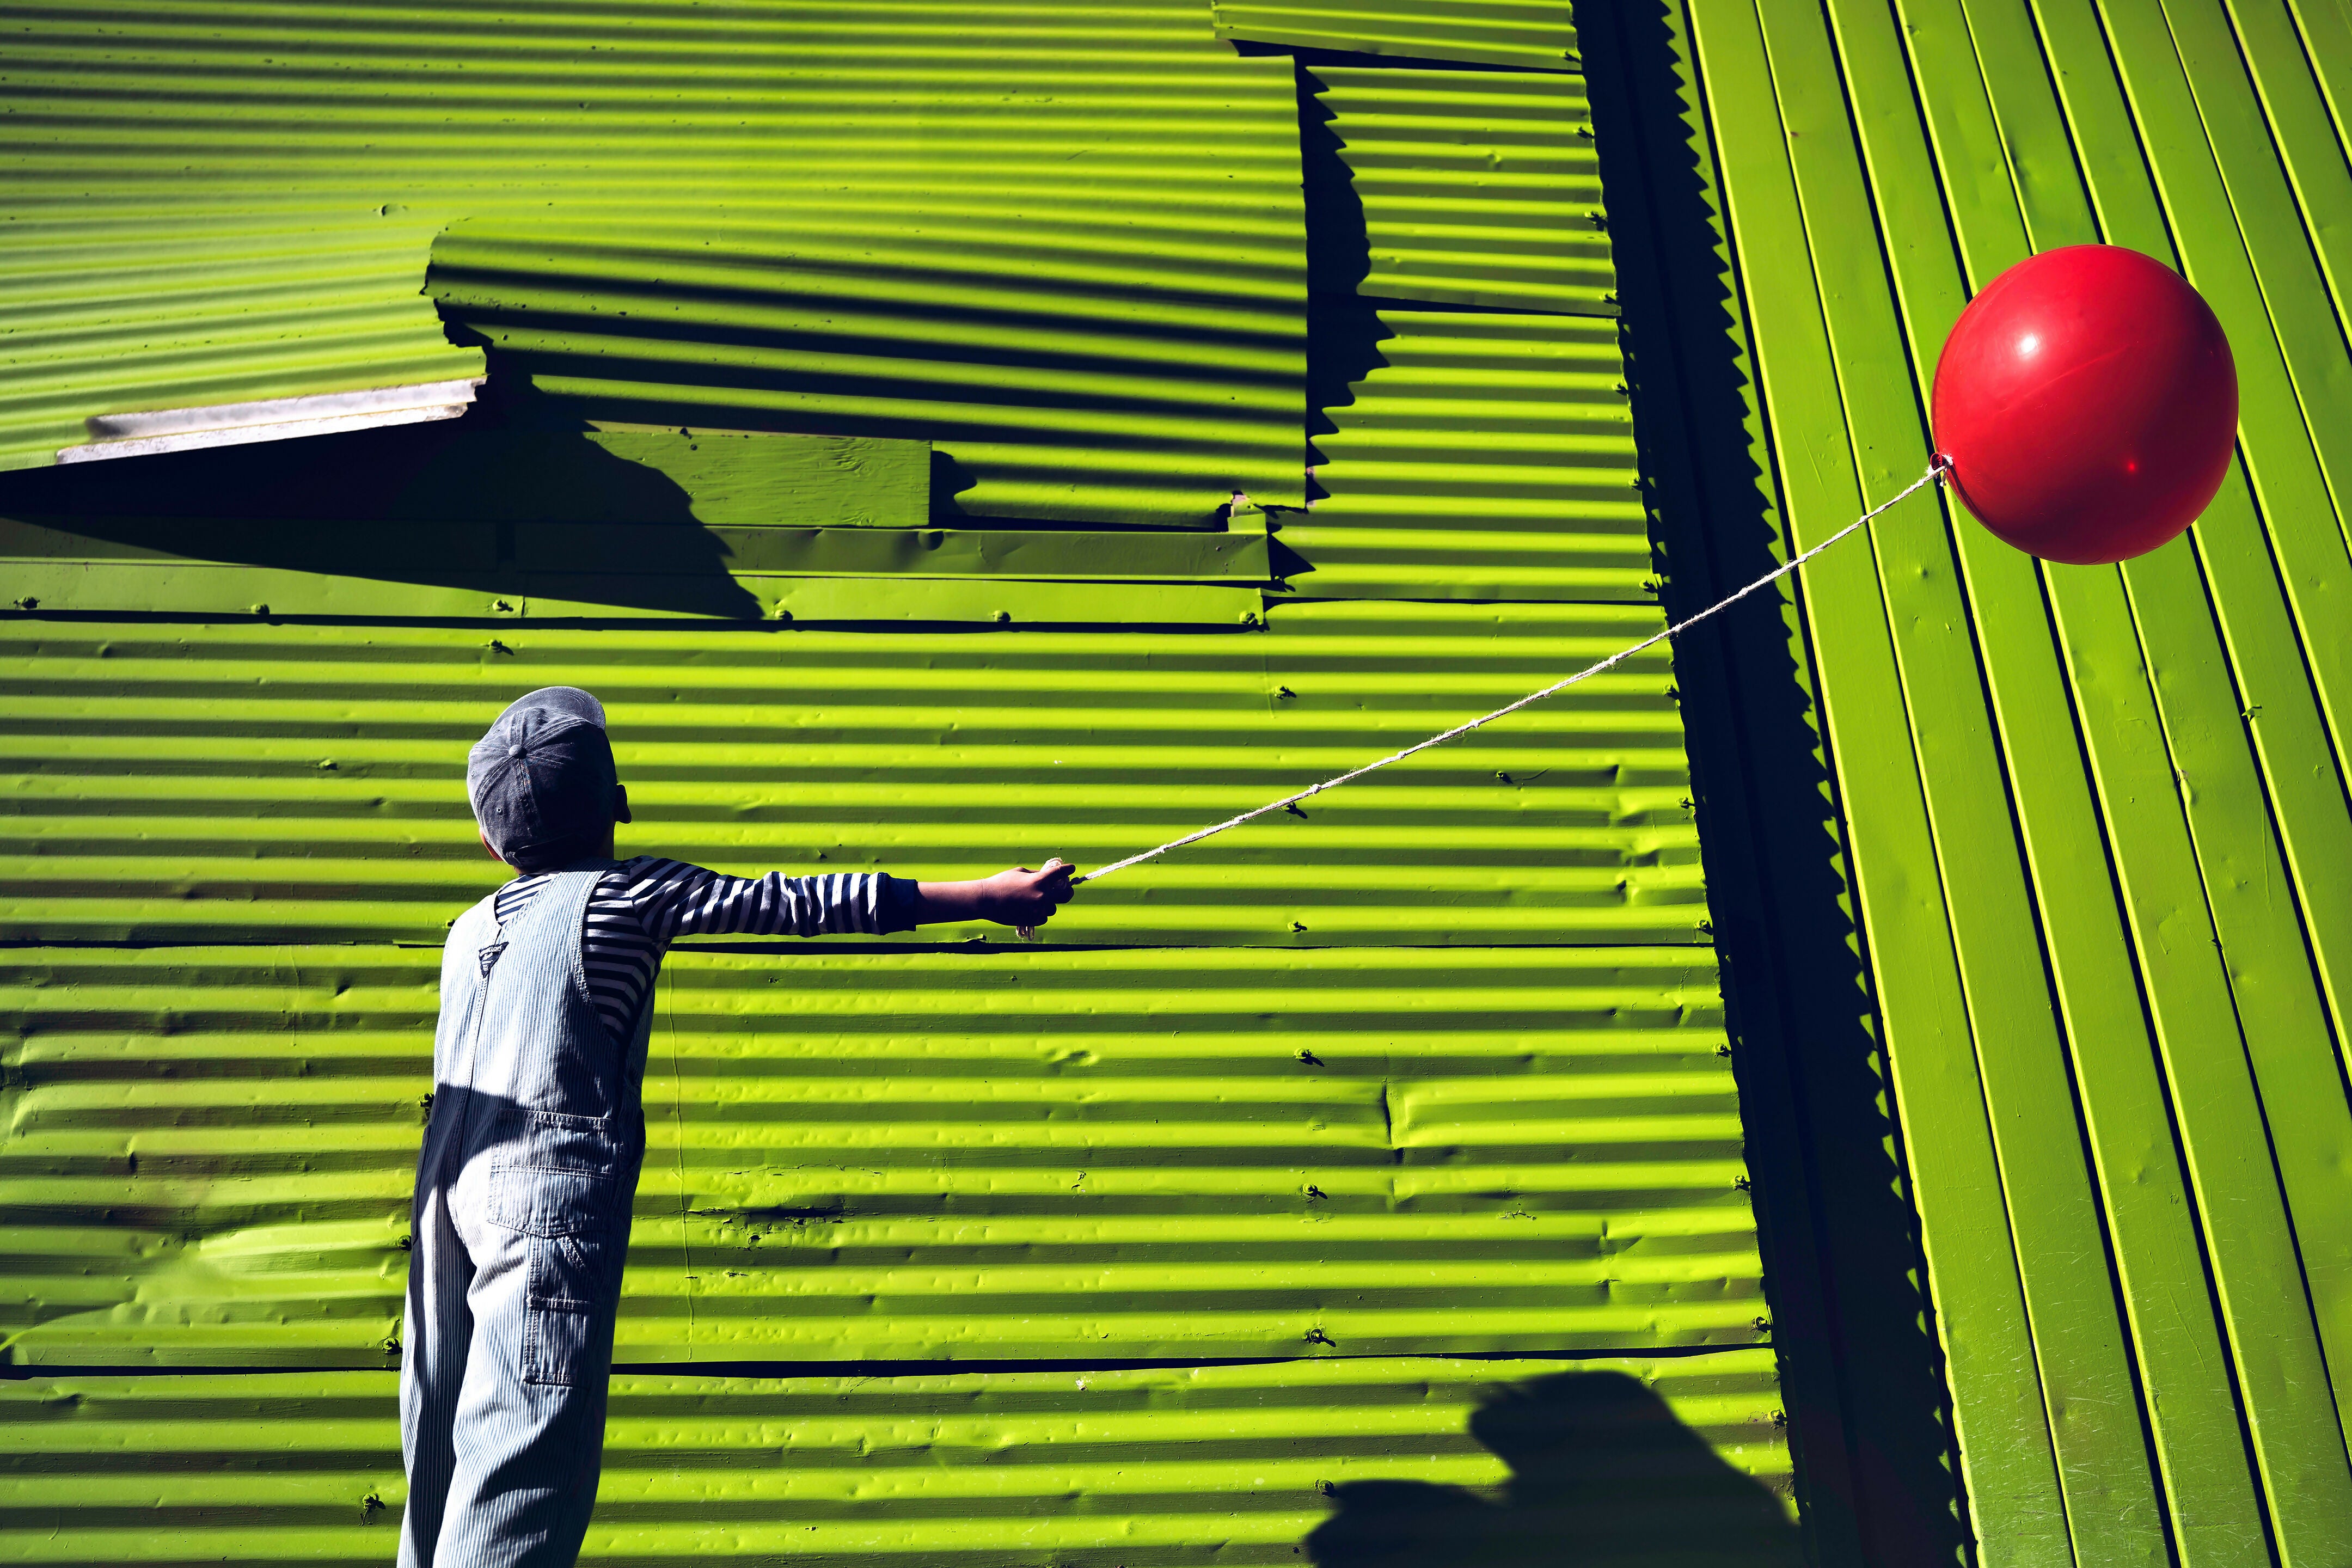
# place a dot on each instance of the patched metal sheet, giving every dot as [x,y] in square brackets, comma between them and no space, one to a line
[1535,32]
[1192,1465]
[1477,187]
[1482,456]
[119,309]
[305,783]
[1066,240]
[982,1153]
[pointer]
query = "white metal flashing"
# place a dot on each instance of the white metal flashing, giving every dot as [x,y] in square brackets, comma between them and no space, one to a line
[144,434]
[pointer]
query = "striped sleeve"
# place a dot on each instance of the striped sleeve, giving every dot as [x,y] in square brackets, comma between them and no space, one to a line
[673,899]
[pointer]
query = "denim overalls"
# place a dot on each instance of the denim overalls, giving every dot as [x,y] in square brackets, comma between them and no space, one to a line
[521,1218]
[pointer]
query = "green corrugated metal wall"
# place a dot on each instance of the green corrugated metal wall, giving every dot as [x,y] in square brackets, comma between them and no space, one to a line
[2092,822]
[1525,33]
[1227,1465]
[2029,878]
[1064,241]
[306,783]
[1115,1153]
[1438,1070]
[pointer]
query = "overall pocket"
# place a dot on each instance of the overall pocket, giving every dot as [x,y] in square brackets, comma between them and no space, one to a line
[570,1212]
[567,1335]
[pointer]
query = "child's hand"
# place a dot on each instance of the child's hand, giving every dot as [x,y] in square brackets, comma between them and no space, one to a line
[1016,897]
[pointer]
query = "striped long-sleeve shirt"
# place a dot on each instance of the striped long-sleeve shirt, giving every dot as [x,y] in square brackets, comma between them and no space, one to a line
[643,905]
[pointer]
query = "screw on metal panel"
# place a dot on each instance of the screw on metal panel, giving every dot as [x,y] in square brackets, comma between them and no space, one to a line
[1249,617]
[782,614]
[498,647]
[1317,1337]
[1004,618]
[1294,809]
[1284,691]
[28,604]
[260,609]
[1296,926]
[1310,1059]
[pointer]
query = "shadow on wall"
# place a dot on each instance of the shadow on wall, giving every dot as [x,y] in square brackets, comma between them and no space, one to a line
[1862,1369]
[1602,1473]
[435,504]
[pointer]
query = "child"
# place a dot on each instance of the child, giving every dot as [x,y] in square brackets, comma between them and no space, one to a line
[537,1129]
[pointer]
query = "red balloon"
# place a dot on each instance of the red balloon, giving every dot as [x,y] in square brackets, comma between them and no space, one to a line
[2087,403]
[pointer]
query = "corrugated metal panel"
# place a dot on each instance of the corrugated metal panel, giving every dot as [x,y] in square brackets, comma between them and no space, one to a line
[242,781]
[1482,457]
[982,1154]
[110,311]
[1060,387]
[1538,32]
[172,585]
[118,565]
[1477,187]
[2097,816]
[1208,1465]
[1067,240]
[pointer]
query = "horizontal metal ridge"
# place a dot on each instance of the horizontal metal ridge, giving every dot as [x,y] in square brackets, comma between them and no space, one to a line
[1539,33]
[234,781]
[1173,1466]
[1477,187]
[1479,455]
[991,1154]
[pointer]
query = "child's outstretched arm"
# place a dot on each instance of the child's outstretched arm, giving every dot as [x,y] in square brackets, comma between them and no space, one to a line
[1016,897]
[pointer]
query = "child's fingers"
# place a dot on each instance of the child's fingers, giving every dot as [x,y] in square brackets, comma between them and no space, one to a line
[1057,885]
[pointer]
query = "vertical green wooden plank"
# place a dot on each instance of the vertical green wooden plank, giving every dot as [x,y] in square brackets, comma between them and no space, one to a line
[2289,736]
[2105,142]
[2282,1379]
[2303,1479]
[2299,760]
[2279,454]
[2325,26]
[2247,887]
[2192,1408]
[2078,1341]
[2028,122]
[2003,1429]
[2268,222]
[2305,136]
[2183,1364]
[2281,715]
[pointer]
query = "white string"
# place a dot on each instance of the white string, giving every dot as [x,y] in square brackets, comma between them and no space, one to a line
[1935,469]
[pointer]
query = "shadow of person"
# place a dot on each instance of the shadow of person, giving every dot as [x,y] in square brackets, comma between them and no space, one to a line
[1602,1473]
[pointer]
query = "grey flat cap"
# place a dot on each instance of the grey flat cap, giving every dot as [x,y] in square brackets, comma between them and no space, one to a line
[544,775]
